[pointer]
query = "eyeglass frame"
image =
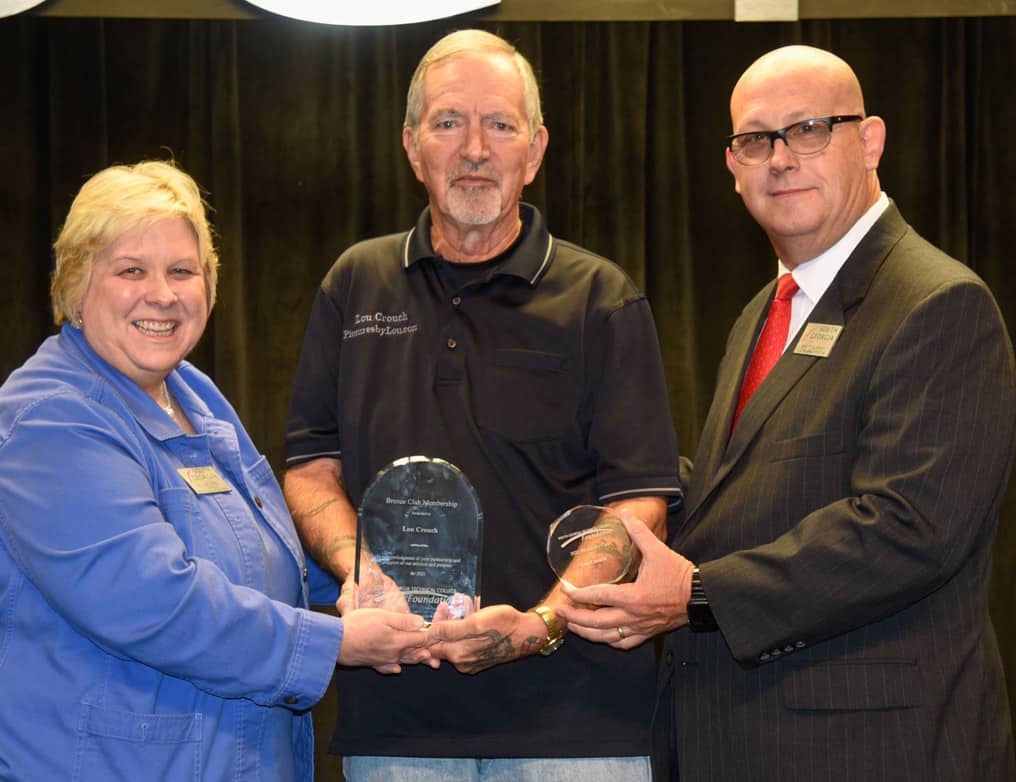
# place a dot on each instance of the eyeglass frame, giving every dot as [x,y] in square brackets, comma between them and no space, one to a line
[772,135]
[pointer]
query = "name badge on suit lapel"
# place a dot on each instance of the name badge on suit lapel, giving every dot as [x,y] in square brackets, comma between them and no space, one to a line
[818,339]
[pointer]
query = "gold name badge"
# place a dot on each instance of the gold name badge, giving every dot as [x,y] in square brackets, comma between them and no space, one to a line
[818,339]
[204,480]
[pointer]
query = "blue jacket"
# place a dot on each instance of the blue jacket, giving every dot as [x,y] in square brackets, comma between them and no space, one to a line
[146,631]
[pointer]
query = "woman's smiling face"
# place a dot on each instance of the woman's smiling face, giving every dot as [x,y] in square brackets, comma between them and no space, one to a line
[146,305]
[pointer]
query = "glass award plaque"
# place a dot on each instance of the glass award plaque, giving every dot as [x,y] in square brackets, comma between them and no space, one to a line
[419,536]
[588,545]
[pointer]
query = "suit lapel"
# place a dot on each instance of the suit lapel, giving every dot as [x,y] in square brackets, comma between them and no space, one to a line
[784,376]
[716,456]
[713,440]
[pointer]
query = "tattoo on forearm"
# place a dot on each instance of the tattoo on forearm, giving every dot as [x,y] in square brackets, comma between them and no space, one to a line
[531,645]
[326,549]
[338,544]
[313,511]
[618,555]
[500,650]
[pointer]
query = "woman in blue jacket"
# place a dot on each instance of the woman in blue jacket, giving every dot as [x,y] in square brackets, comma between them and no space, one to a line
[153,592]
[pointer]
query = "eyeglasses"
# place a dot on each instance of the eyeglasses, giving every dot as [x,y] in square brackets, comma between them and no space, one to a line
[806,137]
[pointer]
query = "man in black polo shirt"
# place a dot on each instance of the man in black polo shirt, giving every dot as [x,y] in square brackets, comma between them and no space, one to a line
[531,364]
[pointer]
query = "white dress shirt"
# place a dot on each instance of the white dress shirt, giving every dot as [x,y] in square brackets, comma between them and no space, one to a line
[815,276]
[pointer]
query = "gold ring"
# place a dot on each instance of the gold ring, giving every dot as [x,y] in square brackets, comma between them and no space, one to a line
[620,633]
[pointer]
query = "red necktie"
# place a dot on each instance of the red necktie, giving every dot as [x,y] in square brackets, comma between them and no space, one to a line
[770,344]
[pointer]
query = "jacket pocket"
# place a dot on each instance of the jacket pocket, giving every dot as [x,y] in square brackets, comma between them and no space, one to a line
[116,744]
[813,446]
[267,496]
[853,685]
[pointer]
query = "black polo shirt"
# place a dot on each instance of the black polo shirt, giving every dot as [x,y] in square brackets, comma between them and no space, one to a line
[539,375]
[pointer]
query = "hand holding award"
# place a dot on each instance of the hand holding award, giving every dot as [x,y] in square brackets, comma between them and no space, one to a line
[588,545]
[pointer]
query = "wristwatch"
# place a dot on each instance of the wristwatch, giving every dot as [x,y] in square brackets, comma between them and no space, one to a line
[555,631]
[700,615]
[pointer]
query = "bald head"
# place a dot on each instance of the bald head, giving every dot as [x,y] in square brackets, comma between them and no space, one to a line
[799,68]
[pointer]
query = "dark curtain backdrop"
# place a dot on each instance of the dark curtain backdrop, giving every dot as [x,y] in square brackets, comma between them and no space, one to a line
[294,130]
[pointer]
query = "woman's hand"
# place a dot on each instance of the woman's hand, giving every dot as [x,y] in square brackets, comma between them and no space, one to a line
[384,640]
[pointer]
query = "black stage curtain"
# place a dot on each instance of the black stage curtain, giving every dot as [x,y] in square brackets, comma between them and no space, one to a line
[294,129]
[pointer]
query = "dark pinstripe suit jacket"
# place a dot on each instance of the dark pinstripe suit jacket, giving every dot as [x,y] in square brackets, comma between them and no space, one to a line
[844,536]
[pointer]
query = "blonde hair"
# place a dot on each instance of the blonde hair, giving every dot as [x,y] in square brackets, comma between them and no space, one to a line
[471,42]
[113,202]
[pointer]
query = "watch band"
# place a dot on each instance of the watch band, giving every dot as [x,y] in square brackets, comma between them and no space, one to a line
[555,630]
[700,615]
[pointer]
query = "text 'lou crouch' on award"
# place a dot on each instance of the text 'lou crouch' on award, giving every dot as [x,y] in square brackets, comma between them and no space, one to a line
[588,545]
[418,542]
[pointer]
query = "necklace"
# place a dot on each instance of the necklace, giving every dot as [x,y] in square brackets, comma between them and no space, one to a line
[168,407]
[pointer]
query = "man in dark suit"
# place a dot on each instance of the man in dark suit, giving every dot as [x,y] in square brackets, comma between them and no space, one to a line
[835,554]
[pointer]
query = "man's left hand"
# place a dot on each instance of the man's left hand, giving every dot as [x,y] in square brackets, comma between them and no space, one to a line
[626,615]
[493,635]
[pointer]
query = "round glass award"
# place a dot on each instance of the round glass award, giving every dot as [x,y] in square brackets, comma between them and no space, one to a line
[588,545]
[419,537]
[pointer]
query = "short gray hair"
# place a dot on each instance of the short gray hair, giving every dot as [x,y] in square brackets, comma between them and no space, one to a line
[471,42]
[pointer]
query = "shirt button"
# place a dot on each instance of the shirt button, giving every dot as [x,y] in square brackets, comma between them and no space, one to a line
[763,657]
[257,501]
[305,573]
[452,344]
[457,301]
[292,700]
